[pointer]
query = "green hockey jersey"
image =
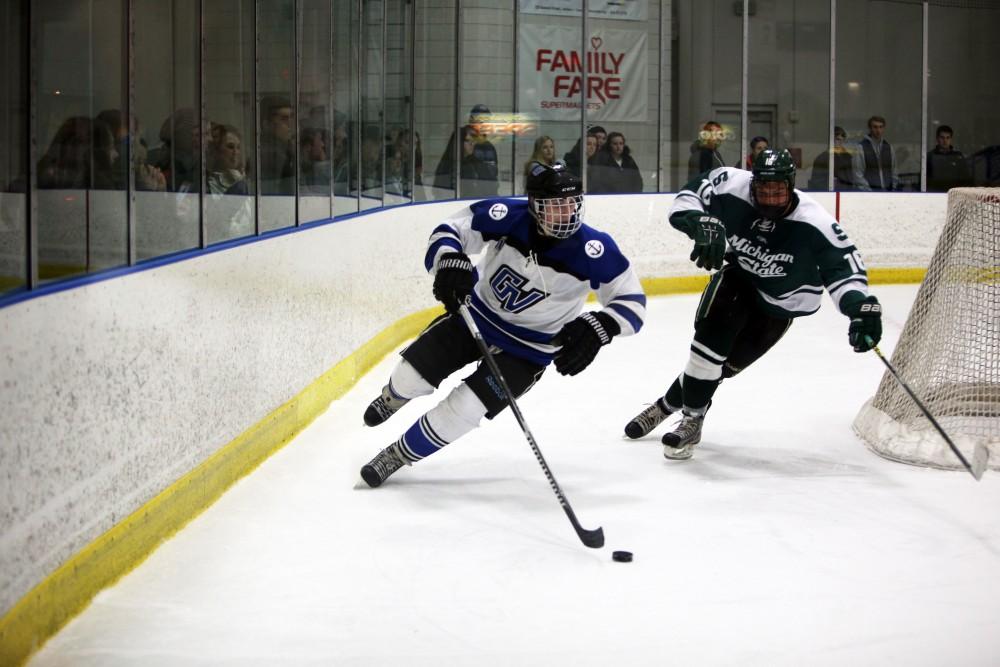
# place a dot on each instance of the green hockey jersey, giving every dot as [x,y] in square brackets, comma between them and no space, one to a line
[789,261]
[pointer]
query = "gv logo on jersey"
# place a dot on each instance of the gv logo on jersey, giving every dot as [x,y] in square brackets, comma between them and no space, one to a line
[498,211]
[508,287]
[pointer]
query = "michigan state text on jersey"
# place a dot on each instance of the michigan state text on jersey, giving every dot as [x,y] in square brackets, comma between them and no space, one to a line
[526,295]
[788,259]
[778,250]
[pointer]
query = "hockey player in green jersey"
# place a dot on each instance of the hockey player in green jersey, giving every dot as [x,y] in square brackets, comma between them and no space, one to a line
[777,250]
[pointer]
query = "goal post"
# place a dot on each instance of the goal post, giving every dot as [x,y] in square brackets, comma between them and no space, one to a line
[949,350]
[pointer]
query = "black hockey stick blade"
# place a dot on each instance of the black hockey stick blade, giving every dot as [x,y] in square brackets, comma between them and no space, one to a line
[590,538]
[980,455]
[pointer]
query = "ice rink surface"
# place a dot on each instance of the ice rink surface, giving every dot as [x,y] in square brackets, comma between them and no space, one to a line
[784,541]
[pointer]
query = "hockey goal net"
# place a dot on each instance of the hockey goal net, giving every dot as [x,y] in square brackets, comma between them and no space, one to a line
[949,350]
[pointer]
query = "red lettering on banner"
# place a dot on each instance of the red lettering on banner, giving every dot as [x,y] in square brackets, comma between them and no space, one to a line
[604,88]
[598,62]
[541,58]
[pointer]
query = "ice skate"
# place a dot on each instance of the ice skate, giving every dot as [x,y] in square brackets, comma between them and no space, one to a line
[647,420]
[386,462]
[679,443]
[384,407]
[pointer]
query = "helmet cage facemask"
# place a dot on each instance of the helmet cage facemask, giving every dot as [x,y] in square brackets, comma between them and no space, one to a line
[770,211]
[558,217]
[772,166]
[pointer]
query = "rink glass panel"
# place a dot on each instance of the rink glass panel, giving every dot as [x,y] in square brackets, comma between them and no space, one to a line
[707,45]
[346,140]
[315,92]
[168,118]
[82,163]
[229,204]
[434,94]
[879,74]
[372,104]
[788,87]
[963,88]
[13,151]
[277,113]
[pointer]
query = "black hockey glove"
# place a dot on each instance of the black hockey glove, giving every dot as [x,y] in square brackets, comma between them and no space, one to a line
[581,339]
[453,280]
[866,324]
[709,242]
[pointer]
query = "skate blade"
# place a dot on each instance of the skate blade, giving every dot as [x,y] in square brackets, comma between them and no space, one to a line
[677,453]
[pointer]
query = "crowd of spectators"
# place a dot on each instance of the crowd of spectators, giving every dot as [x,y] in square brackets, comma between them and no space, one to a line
[92,153]
[870,164]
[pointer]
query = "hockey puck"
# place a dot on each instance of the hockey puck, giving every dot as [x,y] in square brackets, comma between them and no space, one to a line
[622,556]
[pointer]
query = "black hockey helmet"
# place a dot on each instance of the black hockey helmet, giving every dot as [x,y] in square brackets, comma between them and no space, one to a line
[555,196]
[772,167]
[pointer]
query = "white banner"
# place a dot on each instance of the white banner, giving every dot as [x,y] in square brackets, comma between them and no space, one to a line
[626,10]
[550,74]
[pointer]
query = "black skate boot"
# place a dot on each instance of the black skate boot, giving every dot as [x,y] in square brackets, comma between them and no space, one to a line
[386,462]
[383,407]
[647,420]
[678,444]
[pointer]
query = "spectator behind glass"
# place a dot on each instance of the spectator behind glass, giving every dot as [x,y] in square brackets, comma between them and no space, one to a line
[177,155]
[341,155]
[147,177]
[757,144]
[226,165]
[478,179]
[705,154]
[946,166]
[371,158]
[81,156]
[613,169]
[479,120]
[115,122]
[572,158]
[843,167]
[314,165]
[397,166]
[544,152]
[277,147]
[875,162]
[601,134]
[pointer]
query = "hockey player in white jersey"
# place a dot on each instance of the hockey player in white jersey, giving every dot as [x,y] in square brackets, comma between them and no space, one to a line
[527,292]
[781,249]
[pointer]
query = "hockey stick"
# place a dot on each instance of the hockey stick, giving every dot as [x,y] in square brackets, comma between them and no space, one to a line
[591,538]
[980,456]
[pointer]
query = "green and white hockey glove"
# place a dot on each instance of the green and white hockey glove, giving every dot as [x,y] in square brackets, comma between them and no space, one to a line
[866,324]
[709,236]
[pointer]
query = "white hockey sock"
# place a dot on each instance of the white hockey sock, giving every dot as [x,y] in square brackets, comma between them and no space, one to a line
[406,382]
[446,422]
[704,364]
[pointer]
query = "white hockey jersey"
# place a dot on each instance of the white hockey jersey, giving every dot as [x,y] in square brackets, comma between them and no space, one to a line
[528,286]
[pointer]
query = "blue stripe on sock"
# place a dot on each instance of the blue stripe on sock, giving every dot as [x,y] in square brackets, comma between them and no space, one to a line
[417,442]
